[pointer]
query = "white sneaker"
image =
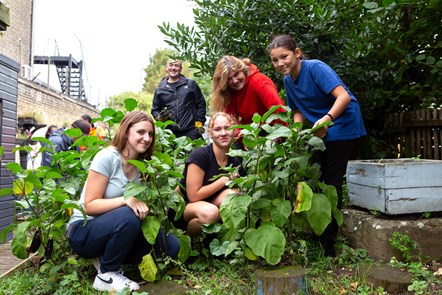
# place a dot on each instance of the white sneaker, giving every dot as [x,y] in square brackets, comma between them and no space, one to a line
[96,263]
[113,280]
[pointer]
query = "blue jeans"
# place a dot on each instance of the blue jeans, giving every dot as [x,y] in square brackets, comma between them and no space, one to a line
[116,237]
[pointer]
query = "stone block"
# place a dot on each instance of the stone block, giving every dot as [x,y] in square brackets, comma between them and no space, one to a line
[392,280]
[364,230]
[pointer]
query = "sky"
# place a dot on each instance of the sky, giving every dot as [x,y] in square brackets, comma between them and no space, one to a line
[115,39]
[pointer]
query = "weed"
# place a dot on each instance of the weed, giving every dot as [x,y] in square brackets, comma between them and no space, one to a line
[403,244]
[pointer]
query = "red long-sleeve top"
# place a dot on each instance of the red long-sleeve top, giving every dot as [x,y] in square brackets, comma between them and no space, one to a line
[258,95]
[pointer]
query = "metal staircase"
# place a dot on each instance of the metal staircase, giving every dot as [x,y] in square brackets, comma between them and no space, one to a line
[70,74]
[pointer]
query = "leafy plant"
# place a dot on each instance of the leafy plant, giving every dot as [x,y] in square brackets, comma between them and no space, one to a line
[403,244]
[161,175]
[279,194]
[387,52]
[47,195]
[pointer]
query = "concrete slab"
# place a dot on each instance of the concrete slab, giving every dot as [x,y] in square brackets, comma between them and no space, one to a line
[364,230]
[163,288]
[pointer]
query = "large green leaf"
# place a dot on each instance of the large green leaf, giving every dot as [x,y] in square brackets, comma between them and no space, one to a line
[19,242]
[319,215]
[280,211]
[330,192]
[304,198]
[130,104]
[148,268]
[218,249]
[233,210]
[139,164]
[279,131]
[22,187]
[150,227]
[267,241]
[185,248]
[14,167]
[133,189]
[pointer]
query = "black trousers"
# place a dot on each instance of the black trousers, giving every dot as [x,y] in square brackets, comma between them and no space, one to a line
[333,163]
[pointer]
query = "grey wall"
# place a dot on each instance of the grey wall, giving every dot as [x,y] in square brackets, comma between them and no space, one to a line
[9,70]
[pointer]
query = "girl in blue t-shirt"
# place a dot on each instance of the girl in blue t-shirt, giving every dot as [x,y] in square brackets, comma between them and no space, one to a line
[317,94]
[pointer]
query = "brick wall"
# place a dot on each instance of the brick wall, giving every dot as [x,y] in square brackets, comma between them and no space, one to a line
[16,41]
[50,108]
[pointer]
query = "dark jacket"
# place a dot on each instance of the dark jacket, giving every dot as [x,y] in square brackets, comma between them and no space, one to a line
[186,105]
[60,142]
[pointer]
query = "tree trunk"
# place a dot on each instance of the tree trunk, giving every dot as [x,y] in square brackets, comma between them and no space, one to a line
[285,280]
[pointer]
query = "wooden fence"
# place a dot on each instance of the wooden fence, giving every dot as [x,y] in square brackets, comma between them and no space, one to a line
[415,134]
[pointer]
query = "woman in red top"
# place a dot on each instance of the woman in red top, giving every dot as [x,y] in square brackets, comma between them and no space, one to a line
[241,90]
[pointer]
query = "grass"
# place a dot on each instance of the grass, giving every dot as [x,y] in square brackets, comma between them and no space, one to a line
[205,274]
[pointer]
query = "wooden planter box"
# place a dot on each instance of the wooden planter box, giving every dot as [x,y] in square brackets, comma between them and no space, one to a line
[396,186]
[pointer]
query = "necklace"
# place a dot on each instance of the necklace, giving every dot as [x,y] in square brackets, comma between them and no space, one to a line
[128,169]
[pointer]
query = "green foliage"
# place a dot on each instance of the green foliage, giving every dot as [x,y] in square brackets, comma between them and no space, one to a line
[389,53]
[156,70]
[143,100]
[46,196]
[148,268]
[279,195]
[403,244]
[161,175]
[423,279]
[221,277]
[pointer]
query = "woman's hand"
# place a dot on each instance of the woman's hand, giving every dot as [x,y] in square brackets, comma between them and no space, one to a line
[140,208]
[322,132]
[234,176]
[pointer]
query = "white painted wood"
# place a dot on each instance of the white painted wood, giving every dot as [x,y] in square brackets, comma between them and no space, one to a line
[396,186]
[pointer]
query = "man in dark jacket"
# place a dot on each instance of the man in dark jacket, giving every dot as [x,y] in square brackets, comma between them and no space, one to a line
[62,142]
[179,99]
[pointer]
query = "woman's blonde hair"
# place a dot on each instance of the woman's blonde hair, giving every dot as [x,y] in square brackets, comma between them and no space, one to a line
[220,114]
[220,83]
[132,118]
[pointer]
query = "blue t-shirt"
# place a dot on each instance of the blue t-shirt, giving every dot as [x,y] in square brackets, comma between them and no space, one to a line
[310,94]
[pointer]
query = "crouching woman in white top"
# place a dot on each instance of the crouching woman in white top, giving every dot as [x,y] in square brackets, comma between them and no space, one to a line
[113,230]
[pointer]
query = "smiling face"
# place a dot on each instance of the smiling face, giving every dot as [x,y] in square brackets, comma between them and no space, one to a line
[286,61]
[218,130]
[173,70]
[236,81]
[139,138]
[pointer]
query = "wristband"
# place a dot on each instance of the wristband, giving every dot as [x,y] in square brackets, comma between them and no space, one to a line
[331,117]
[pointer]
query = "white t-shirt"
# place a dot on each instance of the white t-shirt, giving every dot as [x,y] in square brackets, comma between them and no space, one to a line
[107,162]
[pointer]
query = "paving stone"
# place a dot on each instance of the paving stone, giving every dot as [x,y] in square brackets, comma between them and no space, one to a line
[393,280]
[163,288]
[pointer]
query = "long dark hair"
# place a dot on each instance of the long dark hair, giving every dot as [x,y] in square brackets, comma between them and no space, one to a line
[49,130]
[120,139]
